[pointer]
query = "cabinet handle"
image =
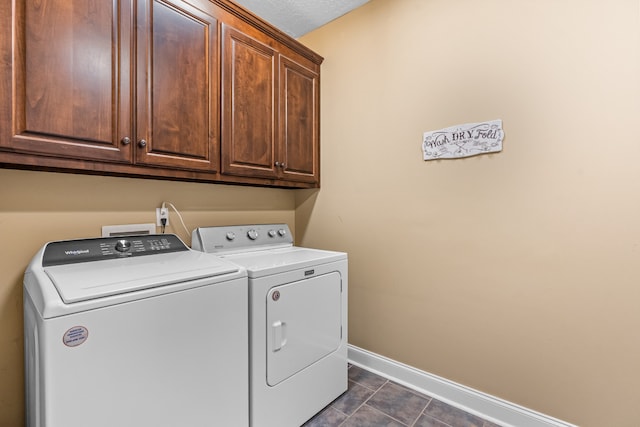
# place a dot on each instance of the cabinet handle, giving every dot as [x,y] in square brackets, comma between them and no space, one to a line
[277,164]
[125,141]
[142,143]
[282,165]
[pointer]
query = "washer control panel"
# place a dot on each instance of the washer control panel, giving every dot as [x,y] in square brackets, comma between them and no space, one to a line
[241,237]
[87,250]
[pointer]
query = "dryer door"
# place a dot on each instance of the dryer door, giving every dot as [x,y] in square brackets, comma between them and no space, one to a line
[303,324]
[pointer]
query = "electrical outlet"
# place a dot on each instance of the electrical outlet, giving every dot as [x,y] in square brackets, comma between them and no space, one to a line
[162,213]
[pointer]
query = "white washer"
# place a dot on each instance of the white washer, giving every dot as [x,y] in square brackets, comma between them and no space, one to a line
[135,331]
[298,320]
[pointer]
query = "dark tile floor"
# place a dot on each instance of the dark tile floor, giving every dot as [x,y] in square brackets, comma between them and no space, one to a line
[373,401]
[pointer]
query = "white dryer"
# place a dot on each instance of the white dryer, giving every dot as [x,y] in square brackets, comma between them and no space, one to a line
[298,320]
[136,331]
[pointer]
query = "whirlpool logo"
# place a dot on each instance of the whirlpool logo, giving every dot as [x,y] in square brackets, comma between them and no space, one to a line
[77,252]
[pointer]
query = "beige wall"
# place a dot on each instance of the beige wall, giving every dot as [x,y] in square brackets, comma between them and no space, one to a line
[515,273]
[37,207]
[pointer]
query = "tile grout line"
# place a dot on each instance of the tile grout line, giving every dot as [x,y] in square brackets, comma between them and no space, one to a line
[367,384]
[427,398]
[365,401]
[423,409]
[387,381]
[386,415]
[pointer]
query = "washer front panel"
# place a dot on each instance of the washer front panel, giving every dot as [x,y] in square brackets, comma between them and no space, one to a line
[177,359]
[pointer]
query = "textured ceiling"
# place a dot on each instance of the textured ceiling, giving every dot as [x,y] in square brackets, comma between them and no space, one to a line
[298,17]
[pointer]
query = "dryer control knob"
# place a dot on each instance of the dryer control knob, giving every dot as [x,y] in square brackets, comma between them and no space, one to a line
[252,234]
[231,235]
[282,232]
[272,233]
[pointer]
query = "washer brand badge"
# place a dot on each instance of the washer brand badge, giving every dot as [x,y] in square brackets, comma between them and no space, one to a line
[77,252]
[75,336]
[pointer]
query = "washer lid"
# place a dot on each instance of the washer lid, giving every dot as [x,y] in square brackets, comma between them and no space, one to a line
[89,280]
[274,261]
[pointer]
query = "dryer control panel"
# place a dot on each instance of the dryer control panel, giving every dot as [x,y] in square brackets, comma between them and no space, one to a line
[87,250]
[234,238]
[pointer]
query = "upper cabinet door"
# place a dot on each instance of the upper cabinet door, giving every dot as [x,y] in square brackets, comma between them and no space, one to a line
[299,116]
[249,96]
[71,93]
[177,86]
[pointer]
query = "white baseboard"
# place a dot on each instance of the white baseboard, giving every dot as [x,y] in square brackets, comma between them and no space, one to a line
[475,402]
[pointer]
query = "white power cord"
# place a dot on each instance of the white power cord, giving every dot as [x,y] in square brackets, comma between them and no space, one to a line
[179,216]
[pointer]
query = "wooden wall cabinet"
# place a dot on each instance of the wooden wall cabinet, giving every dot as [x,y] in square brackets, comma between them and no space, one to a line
[177,86]
[299,145]
[270,111]
[193,90]
[87,88]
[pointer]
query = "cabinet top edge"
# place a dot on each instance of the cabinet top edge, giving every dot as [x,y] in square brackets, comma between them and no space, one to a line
[249,17]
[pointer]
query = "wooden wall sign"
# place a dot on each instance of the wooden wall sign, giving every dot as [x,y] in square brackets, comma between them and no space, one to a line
[465,140]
